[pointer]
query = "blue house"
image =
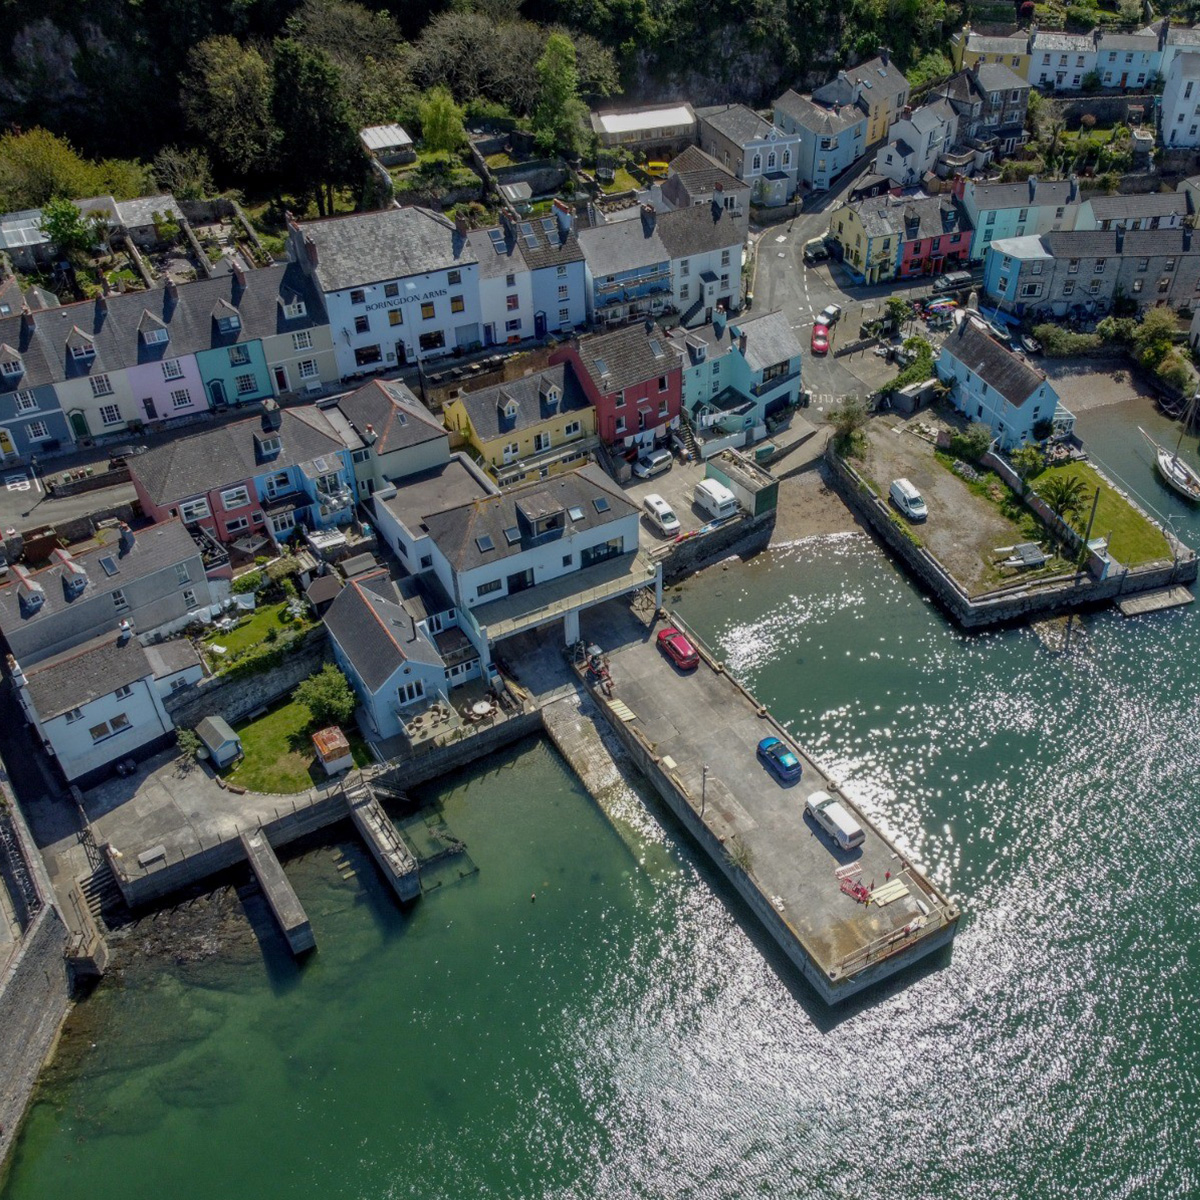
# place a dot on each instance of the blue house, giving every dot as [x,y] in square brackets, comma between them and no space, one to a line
[989,383]
[736,375]
[31,419]
[1011,210]
[1017,273]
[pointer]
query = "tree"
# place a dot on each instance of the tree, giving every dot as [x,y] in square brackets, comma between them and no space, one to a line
[36,166]
[898,310]
[1066,495]
[974,442]
[1028,462]
[848,421]
[183,172]
[226,99]
[66,227]
[1152,340]
[328,696]
[558,117]
[441,121]
[318,146]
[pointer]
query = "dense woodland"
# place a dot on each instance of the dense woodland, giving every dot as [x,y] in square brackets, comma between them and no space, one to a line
[264,95]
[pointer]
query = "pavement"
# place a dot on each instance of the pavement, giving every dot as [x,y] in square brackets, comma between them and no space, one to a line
[711,730]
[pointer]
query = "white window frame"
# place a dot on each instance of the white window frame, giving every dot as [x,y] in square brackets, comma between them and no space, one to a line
[26,400]
[302,340]
[110,414]
[181,398]
[172,369]
[194,510]
[236,497]
[100,385]
[245,383]
[37,431]
[308,368]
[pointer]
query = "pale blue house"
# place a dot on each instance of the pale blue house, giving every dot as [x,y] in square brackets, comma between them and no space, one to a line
[989,383]
[1017,273]
[1012,210]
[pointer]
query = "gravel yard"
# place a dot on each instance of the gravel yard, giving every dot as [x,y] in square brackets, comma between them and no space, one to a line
[1081,386]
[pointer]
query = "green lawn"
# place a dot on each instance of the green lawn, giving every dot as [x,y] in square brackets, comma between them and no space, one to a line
[250,633]
[622,182]
[1133,540]
[279,754]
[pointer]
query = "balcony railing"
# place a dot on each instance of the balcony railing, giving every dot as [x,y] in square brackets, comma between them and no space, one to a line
[771,385]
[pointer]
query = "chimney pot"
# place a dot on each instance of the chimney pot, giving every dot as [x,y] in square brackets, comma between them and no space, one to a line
[27,321]
[239,274]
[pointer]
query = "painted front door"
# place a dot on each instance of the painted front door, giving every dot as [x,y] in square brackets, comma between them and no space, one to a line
[79,425]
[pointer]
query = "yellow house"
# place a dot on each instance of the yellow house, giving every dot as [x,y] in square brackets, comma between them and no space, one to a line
[969,49]
[877,86]
[869,233]
[527,428]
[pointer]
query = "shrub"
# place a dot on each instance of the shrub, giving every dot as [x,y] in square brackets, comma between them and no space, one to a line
[1175,372]
[1088,121]
[328,696]
[1028,461]
[972,443]
[281,568]
[1058,342]
[921,367]
[188,741]
[250,582]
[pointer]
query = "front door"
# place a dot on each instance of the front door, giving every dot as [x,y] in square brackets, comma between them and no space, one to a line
[151,411]
[539,324]
[520,581]
[79,425]
[281,379]
[217,388]
[401,354]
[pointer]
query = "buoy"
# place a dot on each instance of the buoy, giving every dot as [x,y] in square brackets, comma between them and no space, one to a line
[533,898]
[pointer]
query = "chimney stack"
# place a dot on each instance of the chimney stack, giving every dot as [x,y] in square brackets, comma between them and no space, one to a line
[1033,182]
[310,248]
[884,54]
[125,631]
[239,275]
[127,539]
[648,217]
[27,321]
[272,418]
[460,226]
[172,290]
[101,306]
[369,435]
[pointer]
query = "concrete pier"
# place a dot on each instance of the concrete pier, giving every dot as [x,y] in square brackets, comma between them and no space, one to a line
[387,847]
[1157,601]
[281,896]
[695,735]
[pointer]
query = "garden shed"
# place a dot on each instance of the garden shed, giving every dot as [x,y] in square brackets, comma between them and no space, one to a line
[222,744]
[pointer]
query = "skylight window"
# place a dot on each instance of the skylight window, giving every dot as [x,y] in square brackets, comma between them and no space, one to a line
[656,348]
[576,513]
[485,543]
[549,224]
[512,535]
[109,565]
[601,504]
[497,237]
[601,366]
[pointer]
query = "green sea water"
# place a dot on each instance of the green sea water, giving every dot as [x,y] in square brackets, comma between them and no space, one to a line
[631,1033]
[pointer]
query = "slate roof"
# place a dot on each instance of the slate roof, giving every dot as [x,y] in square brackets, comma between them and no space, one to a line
[769,339]
[189,314]
[619,246]
[375,630]
[1102,243]
[371,247]
[995,364]
[227,455]
[430,491]
[930,217]
[876,75]
[399,419]
[823,119]
[486,406]
[736,122]
[1147,43]
[534,243]
[85,673]
[625,357]
[1054,39]
[172,656]
[1148,204]
[998,77]
[1189,65]
[700,229]
[459,531]
[139,213]
[980,43]
[156,548]
[699,173]
[1043,192]
[1026,248]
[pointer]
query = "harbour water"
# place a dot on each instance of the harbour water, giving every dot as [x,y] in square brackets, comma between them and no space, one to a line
[631,1033]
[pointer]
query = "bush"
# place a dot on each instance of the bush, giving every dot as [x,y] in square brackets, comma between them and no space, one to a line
[188,741]
[328,696]
[1058,342]
[1088,121]
[921,367]
[973,443]
[282,568]
[1028,462]
[250,582]
[1117,329]
[1175,372]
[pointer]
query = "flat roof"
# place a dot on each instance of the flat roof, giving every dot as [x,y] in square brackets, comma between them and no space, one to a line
[384,137]
[645,118]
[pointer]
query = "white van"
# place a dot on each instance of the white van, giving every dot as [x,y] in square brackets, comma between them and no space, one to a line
[715,499]
[908,500]
[660,514]
[832,817]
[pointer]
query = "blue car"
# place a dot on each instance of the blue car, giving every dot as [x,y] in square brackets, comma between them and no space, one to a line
[781,762]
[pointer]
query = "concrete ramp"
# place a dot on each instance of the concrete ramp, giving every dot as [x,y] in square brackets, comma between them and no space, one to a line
[281,896]
[387,847]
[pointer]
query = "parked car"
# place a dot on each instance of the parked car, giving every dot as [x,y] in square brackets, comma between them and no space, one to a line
[815,251]
[830,314]
[678,649]
[820,339]
[832,817]
[653,462]
[953,281]
[780,761]
[660,514]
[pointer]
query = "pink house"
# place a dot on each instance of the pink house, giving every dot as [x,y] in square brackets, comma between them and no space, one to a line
[168,388]
[935,236]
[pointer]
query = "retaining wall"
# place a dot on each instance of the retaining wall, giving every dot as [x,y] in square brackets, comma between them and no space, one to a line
[744,537]
[35,990]
[236,698]
[1021,602]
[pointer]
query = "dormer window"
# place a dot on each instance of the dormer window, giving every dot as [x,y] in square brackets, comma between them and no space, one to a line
[82,351]
[269,445]
[295,310]
[155,337]
[510,409]
[10,368]
[230,323]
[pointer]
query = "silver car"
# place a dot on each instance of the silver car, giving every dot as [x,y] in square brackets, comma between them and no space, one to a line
[652,463]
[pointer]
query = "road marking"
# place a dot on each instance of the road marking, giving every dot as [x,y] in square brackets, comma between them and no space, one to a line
[782,237]
[17,483]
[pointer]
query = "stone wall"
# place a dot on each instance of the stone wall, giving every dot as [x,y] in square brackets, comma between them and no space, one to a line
[745,537]
[1108,110]
[35,987]
[234,699]
[1019,602]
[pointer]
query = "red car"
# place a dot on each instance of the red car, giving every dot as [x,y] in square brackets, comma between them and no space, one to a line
[820,339]
[678,649]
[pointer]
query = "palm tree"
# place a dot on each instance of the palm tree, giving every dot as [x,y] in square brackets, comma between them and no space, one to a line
[1066,495]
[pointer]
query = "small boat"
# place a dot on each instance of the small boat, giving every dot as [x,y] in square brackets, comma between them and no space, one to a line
[1176,473]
